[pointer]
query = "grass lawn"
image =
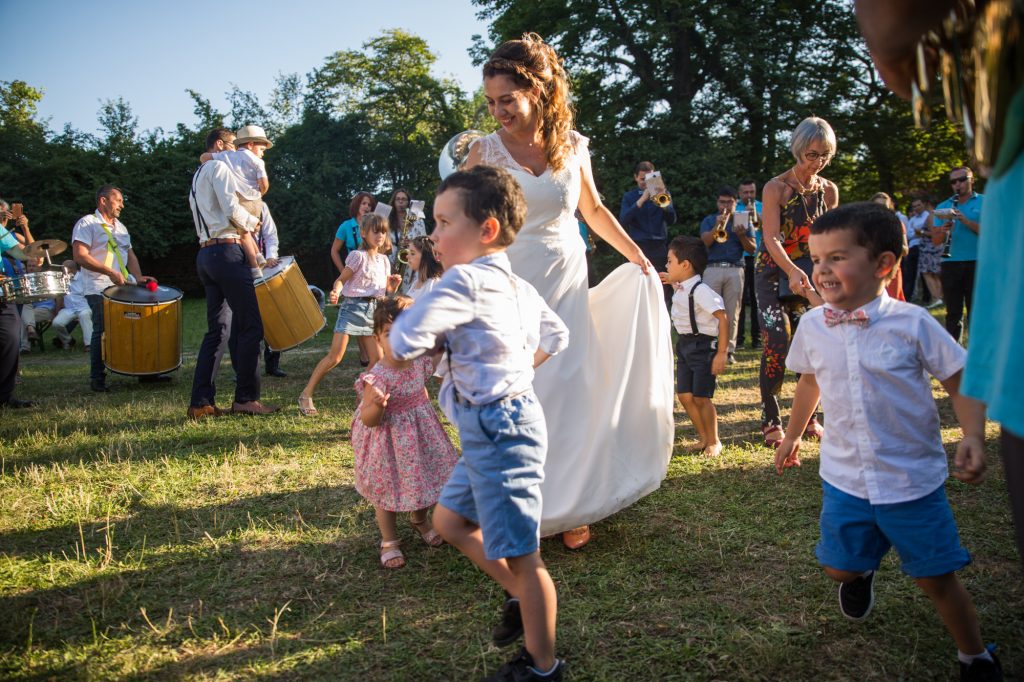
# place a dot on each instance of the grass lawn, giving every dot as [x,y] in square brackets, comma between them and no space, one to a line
[134,544]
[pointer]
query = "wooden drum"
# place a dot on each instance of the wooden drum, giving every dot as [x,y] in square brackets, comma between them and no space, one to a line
[141,330]
[290,313]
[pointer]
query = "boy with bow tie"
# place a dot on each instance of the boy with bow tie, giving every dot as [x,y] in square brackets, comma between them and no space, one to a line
[883,467]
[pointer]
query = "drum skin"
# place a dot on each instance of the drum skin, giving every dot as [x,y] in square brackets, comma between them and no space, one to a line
[141,330]
[290,313]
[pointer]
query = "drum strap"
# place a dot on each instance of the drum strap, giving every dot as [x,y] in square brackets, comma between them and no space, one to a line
[112,248]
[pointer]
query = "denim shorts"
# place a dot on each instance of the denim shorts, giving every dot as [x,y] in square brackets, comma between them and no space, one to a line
[856,534]
[355,317]
[693,365]
[496,482]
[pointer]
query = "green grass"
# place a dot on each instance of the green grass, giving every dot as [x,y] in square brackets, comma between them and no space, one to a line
[134,544]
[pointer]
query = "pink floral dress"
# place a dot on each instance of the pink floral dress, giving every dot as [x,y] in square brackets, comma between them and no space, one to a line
[403,462]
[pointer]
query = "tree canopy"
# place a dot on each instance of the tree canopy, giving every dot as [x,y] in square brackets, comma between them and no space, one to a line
[708,91]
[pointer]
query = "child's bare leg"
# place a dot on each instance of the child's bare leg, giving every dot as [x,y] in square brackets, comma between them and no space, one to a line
[956,609]
[841,576]
[326,364]
[538,603]
[387,523]
[368,346]
[465,536]
[694,414]
[934,284]
[709,424]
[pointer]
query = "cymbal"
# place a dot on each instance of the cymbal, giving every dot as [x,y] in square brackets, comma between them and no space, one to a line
[39,248]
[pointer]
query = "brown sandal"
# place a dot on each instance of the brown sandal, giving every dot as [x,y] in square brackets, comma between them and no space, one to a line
[773,435]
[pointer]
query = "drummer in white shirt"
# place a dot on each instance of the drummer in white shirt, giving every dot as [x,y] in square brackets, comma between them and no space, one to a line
[102,247]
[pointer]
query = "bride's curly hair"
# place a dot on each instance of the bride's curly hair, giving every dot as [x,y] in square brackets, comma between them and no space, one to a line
[532,63]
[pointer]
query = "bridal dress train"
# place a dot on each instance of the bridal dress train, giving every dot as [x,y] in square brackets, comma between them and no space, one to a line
[608,398]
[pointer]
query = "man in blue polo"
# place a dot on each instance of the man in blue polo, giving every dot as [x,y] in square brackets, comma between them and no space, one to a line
[724,272]
[647,223]
[963,217]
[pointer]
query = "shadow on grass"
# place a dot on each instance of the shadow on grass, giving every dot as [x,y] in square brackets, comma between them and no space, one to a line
[711,577]
[151,529]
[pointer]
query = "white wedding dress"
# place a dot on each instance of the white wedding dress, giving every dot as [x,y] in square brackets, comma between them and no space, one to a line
[607,398]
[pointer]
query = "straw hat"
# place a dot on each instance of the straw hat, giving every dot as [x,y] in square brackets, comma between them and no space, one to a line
[252,134]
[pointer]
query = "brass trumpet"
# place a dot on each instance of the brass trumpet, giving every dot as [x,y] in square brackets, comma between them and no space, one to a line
[720,233]
[656,188]
[412,213]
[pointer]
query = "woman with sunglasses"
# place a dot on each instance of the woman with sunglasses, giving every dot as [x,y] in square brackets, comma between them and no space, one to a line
[782,269]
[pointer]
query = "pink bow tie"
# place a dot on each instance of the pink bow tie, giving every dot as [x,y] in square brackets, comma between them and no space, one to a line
[856,317]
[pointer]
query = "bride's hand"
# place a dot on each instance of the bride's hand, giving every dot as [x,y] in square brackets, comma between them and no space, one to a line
[640,259]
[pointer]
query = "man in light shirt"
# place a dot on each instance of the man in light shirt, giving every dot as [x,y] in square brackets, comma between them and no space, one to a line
[102,248]
[226,276]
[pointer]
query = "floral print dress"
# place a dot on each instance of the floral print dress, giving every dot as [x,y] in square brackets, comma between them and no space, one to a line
[779,318]
[402,463]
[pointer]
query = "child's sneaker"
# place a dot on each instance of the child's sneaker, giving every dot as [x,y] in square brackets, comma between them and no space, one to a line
[857,597]
[511,626]
[982,671]
[520,669]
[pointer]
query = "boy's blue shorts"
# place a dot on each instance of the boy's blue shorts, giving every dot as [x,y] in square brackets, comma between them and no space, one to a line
[856,534]
[496,482]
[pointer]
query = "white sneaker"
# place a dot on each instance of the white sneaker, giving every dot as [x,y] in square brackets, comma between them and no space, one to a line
[935,304]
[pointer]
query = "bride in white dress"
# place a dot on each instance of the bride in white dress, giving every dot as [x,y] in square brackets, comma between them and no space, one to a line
[608,398]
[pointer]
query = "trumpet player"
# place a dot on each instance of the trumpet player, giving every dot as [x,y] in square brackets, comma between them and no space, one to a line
[727,244]
[647,223]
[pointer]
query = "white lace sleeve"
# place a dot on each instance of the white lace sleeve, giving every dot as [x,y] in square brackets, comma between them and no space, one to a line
[580,144]
[493,152]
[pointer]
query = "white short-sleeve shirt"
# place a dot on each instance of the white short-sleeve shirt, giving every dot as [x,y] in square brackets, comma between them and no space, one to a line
[247,166]
[89,230]
[706,302]
[882,442]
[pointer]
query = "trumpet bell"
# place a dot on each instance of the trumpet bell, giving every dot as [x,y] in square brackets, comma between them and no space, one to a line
[721,236]
[456,151]
[661,200]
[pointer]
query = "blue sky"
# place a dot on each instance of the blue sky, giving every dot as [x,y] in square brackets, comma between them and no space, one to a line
[149,53]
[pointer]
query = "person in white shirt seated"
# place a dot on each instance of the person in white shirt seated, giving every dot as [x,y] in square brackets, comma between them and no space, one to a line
[73,308]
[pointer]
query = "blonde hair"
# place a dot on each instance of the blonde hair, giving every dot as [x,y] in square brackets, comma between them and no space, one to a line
[812,129]
[372,221]
[533,64]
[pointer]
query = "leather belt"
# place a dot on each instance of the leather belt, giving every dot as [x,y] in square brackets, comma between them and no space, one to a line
[219,240]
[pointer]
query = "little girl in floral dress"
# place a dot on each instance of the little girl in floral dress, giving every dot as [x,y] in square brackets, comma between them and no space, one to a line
[403,456]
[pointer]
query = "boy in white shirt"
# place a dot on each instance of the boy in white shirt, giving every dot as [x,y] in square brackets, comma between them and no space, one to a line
[883,467]
[495,329]
[698,314]
[247,165]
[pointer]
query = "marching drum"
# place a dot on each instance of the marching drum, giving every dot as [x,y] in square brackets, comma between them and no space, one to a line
[141,330]
[290,313]
[35,286]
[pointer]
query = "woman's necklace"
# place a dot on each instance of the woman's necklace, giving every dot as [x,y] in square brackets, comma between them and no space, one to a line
[803,190]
